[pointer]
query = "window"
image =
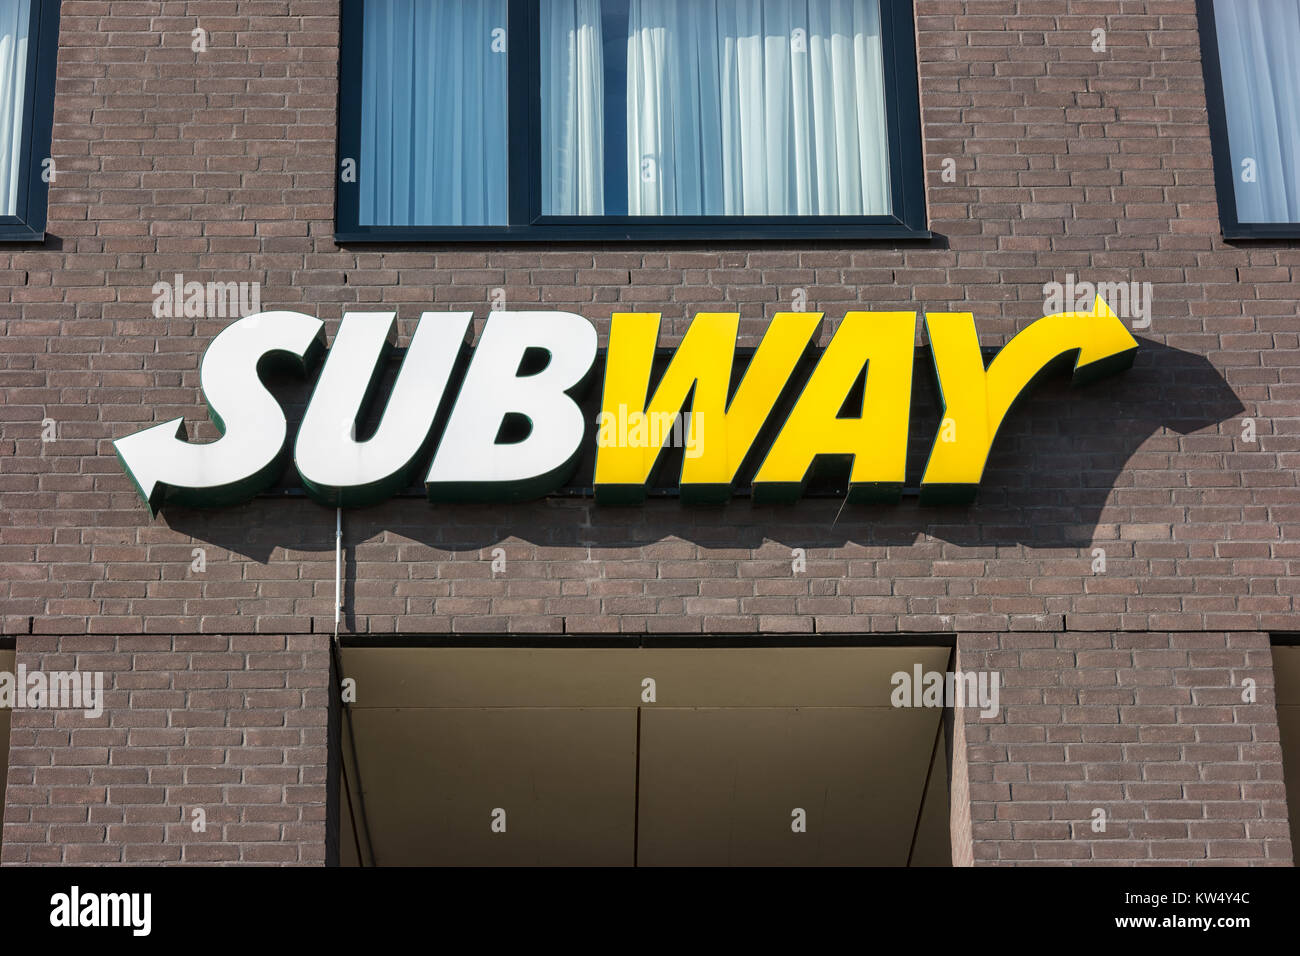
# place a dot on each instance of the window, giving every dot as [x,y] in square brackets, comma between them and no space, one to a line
[626,119]
[1251,55]
[29,33]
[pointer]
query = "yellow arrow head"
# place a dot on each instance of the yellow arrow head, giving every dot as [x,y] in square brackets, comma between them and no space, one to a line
[1105,344]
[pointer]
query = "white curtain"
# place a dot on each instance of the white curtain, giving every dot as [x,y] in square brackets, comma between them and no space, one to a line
[1259,55]
[756,107]
[573,108]
[14,24]
[433,113]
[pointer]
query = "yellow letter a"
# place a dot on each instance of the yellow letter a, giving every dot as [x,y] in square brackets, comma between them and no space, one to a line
[876,441]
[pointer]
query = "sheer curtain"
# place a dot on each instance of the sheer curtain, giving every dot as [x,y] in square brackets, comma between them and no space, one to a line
[573,117]
[756,107]
[14,24]
[1259,54]
[433,113]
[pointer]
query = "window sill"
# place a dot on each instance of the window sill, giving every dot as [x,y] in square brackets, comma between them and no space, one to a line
[614,231]
[21,233]
[1262,230]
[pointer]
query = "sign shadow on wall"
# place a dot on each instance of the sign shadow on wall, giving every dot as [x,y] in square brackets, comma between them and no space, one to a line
[1060,455]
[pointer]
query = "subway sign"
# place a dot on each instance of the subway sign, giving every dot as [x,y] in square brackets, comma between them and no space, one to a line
[502,421]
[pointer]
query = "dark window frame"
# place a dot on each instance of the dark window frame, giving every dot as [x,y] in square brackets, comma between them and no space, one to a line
[527,224]
[1225,173]
[28,224]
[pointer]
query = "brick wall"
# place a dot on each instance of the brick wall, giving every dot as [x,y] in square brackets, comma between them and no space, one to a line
[219,165]
[233,726]
[1150,728]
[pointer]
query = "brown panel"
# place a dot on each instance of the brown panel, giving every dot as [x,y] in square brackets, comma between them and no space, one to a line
[1288,723]
[347,843]
[611,677]
[933,845]
[492,677]
[444,735]
[783,676]
[353,847]
[718,785]
[1286,675]
[566,778]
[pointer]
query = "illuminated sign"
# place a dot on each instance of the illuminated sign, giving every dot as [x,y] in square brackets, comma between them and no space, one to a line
[515,429]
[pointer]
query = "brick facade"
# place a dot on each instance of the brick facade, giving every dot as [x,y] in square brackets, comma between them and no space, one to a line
[220,165]
[234,727]
[1150,728]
